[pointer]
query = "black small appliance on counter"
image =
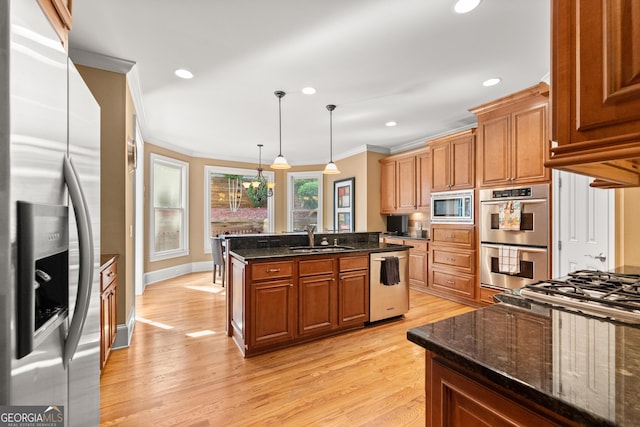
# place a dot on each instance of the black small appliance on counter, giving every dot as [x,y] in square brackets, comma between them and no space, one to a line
[398,224]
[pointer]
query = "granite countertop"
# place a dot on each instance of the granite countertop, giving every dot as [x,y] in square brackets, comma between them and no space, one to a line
[583,368]
[247,254]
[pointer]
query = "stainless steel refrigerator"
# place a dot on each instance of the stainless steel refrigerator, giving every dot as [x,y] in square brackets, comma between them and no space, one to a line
[49,222]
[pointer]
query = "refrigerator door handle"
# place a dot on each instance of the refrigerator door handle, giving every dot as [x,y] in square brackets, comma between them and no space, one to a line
[85,243]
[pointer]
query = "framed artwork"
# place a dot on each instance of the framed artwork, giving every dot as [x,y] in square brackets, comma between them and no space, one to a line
[343,205]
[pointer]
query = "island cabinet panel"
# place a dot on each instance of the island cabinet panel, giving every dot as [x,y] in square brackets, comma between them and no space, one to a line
[353,294]
[275,303]
[272,308]
[454,399]
[317,296]
[513,138]
[595,117]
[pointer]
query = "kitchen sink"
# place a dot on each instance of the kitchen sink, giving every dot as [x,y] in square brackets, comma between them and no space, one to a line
[307,249]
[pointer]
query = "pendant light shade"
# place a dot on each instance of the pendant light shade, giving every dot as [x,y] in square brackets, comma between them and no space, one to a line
[331,168]
[280,162]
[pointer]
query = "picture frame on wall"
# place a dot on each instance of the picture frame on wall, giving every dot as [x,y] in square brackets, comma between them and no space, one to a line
[344,205]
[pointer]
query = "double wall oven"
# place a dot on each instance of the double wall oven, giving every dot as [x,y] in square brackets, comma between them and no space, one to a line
[514,236]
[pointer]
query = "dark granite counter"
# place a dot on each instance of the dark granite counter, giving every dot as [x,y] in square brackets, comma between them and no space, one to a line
[585,369]
[254,247]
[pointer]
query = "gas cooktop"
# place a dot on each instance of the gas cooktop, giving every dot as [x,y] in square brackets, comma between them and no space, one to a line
[600,293]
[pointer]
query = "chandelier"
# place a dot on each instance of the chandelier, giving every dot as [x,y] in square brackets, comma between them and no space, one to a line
[259,188]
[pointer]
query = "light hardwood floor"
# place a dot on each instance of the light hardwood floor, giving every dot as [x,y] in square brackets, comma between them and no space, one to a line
[182,370]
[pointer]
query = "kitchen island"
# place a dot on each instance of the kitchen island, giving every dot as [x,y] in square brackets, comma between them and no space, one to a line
[530,364]
[282,290]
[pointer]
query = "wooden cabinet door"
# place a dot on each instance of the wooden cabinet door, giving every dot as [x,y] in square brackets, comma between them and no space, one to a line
[388,187]
[317,311]
[494,151]
[462,163]
[456,400]
[423,183]
[440,167]
[353,297]
[596,90]
[418,268]
[105,326]
[272,312]
[529,145]
[406,184]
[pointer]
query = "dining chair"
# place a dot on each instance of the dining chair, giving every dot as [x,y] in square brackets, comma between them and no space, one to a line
[219,258]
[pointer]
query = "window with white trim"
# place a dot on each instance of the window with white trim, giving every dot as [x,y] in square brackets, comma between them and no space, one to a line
[304,201]
[169,208]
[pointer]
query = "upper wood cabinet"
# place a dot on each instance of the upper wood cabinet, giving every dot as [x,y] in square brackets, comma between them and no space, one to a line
[404,182]
[595,90]
[513,138]
[59,14]
[453,161]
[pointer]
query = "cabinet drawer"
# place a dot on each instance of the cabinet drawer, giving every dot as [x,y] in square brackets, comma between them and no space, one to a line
[461,285]
[418,245]
[272,270]
[108,275]
[316,266]
[455,236]
[354,263]
[461,260]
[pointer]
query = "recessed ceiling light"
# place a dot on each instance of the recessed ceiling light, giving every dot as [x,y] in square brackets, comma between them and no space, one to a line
[308,90]
[391,124]
[464,6]
[184,74]
[491,82]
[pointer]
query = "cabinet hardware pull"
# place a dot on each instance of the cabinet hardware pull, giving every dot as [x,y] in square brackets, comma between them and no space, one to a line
[273,270]
[451,236]
[110,274]
[450,282]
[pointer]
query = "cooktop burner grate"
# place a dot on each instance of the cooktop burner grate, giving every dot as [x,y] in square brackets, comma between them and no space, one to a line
[608,294]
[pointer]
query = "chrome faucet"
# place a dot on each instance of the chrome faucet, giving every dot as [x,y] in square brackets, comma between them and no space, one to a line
[310,229]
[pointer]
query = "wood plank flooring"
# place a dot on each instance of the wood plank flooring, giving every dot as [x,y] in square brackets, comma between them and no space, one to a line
[182,370]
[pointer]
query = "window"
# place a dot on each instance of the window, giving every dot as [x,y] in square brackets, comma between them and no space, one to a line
[233,205]
[169,208]
[304,201]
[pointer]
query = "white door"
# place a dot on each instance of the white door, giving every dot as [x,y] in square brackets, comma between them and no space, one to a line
[583,225]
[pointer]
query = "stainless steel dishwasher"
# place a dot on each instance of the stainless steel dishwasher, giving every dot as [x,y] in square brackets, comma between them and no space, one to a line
[388,301]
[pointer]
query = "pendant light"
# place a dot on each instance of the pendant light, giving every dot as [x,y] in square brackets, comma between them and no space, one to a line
[280,162]
[331,168]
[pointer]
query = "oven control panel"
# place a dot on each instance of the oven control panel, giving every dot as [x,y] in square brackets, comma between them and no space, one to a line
[511,193]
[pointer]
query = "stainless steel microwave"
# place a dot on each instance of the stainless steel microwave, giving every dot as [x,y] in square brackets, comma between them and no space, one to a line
[452,207]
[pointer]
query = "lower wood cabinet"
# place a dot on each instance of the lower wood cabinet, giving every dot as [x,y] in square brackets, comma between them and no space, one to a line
[452,269]
[454,399]
[275,304]
[272,307]
[418,261]
[108,305]
[353,291]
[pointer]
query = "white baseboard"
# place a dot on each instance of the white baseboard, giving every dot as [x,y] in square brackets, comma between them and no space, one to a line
[178,270]
[125,331]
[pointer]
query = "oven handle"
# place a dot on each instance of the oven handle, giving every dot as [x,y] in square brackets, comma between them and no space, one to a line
[520,248]
[382,259]
[522,201]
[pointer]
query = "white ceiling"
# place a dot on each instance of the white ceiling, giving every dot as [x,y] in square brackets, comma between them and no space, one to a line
[416,62]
